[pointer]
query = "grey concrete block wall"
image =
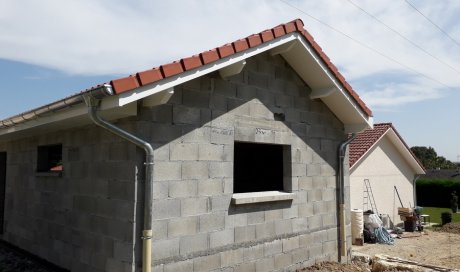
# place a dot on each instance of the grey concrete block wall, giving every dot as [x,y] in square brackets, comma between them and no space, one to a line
[94,212]
[196,165]
[83,220]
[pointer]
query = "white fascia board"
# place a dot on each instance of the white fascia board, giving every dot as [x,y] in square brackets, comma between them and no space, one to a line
[344,93]
[405,152]
[170,82]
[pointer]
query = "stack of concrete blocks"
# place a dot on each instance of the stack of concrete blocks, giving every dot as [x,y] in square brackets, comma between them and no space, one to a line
[90,218]
[196,228]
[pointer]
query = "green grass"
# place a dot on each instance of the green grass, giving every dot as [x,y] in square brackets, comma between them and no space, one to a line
[435,214]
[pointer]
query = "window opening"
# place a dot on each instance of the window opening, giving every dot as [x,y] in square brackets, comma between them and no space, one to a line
[49,158]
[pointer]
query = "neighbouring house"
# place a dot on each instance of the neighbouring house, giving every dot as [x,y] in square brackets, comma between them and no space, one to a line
[381,156]
[223,161]
[442,174]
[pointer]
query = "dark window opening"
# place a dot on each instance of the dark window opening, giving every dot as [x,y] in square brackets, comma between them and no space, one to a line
[259,167]
[49,158]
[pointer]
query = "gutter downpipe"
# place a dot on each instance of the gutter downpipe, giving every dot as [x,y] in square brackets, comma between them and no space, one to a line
[342,217]
[93,105]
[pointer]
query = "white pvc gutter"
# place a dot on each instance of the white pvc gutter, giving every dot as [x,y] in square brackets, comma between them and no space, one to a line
[93,105]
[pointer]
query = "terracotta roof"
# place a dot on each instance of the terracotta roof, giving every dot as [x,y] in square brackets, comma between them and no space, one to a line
[139,79]
[365,140]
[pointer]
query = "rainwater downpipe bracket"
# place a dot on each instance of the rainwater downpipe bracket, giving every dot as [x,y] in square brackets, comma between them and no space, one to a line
[147,234]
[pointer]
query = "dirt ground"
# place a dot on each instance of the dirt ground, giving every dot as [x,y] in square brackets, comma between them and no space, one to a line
[439,247]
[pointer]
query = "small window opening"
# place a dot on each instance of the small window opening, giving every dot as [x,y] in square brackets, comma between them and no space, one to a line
[260,167]
[49,158]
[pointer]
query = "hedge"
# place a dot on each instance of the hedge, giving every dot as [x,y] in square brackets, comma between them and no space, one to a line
[436,192]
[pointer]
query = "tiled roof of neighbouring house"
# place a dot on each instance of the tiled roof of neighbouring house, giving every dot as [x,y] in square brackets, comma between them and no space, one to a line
[365,140]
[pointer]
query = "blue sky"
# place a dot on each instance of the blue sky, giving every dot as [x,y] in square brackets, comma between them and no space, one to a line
[410,76]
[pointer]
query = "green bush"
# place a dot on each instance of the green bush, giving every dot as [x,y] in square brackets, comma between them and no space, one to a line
[436,192]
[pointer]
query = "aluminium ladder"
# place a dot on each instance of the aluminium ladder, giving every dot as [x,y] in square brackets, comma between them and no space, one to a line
[368,198]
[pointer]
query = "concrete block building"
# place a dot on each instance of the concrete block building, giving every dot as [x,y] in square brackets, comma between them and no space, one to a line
[381,156]
[224,161]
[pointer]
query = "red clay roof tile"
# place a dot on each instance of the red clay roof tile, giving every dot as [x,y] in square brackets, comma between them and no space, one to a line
[149,76]
[278,31]
[177,67]
[191,62]
[254,40]
[225,50]
[209,56]
[124,84]
[240,45]
[267,35]
[172,69]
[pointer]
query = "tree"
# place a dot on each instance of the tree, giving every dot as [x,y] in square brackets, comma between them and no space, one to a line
[430,159]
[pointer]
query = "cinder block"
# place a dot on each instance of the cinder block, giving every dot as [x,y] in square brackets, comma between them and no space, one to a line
[169,248]
[186,115]
[283,227]
[246,267]
[283,260]
[195,206]
[266,230]
[167,171]
[273,248]
[246,134]
[258,79]
[206,263]
[184,188]
[329,220]
[221,202]
[236,220]
[238,107]
[221,238]
[220,169]
[165,133]
[212,222]
[319,207]
[210,187]
[220,135]
[224,87]
[300,255]
[330,247]
[256,217]
[167,208]
[198,99]
[272,215]
[182,226]
[198,135]
[266,264]
[305,240]
[315,222]
[160,189]
[160,229]
[300,224]
[123,251]
[183,152]
[253,253]
[194,170]
[183,266]
[193,243]
[218,102]
[246,92]
[210,152]
[299,169]
[245,233]
[292,212]
[315,251]
[231,257]
[290,244]
[284,101]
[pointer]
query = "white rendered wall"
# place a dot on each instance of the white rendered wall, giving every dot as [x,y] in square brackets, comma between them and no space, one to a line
[385,168]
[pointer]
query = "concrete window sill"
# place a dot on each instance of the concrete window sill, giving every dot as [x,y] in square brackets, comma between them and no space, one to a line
[257,197]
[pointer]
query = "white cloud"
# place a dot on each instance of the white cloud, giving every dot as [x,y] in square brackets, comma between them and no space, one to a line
[91,37]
